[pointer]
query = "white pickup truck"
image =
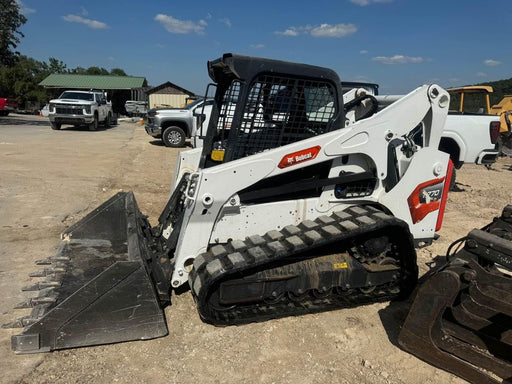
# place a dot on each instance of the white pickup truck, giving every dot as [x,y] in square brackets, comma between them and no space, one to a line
[80,108]
[470,139]
[175,125]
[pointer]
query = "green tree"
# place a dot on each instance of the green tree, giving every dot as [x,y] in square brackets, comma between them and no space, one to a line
[21,80]
[56,66]
[118,72]
[77,71]
[96,71]
[10,22]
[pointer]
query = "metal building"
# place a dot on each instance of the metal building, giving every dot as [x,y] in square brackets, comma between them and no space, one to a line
[168,95]
[119,88]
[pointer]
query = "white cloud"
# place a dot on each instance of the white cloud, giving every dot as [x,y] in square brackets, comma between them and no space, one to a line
[364,3]
[94,24]
[257,46]
[362,79]
[84,11]
[173,25]
[292,31]
[323,30]
[338,30]
[226,21]
[398,59]
[492,63]
[24,10]
[363,52]
[481,74]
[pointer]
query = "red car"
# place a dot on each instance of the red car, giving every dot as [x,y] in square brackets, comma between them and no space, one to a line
[7,105]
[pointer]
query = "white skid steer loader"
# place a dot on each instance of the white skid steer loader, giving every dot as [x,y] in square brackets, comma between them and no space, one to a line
[291,206]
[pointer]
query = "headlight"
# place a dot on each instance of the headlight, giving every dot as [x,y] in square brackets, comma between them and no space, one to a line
[51,108]
[87,108]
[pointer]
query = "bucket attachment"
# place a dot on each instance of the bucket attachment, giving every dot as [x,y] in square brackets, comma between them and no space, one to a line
[97,288]
[506,148]
[506,137]
[461,318]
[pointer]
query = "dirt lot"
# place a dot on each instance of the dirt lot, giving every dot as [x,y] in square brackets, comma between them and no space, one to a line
[49,180]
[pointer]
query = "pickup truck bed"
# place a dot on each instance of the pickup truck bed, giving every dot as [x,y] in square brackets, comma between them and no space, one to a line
[470,138]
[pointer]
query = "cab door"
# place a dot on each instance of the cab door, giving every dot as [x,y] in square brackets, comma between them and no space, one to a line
[101,106]
[200,123]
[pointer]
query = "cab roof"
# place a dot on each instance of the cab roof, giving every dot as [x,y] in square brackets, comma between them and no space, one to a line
[472,89]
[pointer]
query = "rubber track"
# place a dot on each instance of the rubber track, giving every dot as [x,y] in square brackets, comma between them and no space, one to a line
[235,257]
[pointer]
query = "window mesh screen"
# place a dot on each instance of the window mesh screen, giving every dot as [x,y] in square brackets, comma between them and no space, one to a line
[279,111]
[228,110]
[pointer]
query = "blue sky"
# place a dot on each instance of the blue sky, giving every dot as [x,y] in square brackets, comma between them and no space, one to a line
[399,44]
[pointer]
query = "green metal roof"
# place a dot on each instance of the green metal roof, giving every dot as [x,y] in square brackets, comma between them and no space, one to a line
[90,81]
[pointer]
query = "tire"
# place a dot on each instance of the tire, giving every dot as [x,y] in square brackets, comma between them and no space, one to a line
[94,125]
[55,126]
[174,137]
[107,121]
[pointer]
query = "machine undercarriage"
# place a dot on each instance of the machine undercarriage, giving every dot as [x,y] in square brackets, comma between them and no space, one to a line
[294,271]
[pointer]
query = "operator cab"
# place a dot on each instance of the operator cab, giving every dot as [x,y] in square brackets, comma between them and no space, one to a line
[257,109]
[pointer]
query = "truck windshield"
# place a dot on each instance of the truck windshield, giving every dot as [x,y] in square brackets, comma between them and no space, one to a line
[77,96]
[193,104]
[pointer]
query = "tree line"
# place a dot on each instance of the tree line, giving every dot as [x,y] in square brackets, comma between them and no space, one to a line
[21,79]
[20,75]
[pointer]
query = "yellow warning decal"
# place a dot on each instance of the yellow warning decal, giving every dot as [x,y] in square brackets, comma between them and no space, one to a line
[217,155]
[342,265]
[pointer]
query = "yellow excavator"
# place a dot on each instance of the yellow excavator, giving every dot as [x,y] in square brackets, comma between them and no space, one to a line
[475,99]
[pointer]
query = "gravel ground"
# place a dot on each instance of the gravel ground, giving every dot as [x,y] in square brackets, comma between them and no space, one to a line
[49,180]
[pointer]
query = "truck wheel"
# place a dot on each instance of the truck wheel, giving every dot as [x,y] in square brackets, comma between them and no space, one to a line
[94,125]
[55,126]
[107,121]
[174,137]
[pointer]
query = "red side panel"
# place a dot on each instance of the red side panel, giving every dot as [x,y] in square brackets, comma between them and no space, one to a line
[430,196]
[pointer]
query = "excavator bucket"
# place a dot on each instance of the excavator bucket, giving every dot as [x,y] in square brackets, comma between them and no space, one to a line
[461,318]
[97,288]
[506,147]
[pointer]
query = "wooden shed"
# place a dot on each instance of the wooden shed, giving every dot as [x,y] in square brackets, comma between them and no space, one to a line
[168,95]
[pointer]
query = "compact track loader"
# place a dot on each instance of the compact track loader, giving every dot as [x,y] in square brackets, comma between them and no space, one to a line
[461,318]
[296,203]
